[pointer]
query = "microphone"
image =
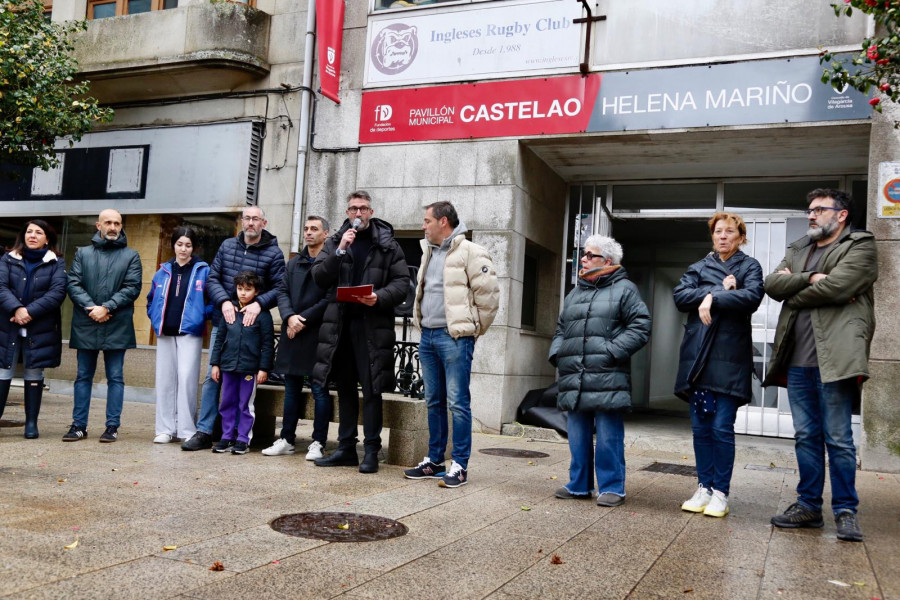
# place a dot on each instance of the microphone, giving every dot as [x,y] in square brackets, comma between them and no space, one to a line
[356,223]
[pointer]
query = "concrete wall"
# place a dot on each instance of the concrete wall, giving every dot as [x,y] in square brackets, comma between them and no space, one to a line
[880,450]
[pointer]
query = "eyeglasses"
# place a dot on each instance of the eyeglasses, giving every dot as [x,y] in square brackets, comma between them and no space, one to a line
[591,255]
[358,209]
[252,219]
[820,209]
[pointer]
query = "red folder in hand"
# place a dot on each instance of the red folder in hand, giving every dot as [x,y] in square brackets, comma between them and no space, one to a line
[353,293]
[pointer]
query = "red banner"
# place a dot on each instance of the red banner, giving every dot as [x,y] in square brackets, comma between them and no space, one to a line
[330,32]
[479,110]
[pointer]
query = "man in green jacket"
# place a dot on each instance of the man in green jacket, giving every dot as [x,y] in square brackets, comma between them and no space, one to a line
[104,282]
[821,354]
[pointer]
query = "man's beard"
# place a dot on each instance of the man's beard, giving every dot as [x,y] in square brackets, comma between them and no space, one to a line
[822,231]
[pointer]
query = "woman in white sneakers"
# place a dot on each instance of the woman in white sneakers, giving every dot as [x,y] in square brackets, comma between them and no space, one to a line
[719,293]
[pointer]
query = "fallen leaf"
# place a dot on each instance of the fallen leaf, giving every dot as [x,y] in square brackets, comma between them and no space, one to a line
[167,548]
[217,566]
[61,480]
[344,526]
[72,546]
[531,462]
[526,508]
[553,477]
[115,469]
[838,583]
[860,583]
[540,550]
[275,562]
[135,483]
[556,560]
[771,465]
[684,458]
[687,590]
[304,484]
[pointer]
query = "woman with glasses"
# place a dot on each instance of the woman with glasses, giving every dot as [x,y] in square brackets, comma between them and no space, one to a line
[32,288]
[602,324]
[719,293]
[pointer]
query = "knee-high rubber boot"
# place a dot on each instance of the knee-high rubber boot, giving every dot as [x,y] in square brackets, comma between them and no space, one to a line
[34,391]
[4,393]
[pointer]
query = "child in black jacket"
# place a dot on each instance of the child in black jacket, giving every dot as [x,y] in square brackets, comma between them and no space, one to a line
[241,359]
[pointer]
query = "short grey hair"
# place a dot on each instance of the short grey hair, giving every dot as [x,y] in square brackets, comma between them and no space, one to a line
[607,246]
[262,213]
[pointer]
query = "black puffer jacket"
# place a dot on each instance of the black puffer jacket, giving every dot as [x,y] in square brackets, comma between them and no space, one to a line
[299,295]
[718,358]
[48,290]
[106,273]
[234,256]
[386,270]
[601,326]
[245,349]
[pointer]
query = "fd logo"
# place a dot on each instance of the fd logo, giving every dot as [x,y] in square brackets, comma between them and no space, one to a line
[383,112]
[330,55]
[394,48]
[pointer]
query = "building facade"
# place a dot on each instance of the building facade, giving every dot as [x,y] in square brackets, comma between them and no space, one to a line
[541,122]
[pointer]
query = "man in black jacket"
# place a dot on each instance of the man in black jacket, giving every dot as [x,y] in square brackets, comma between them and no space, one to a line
[253,249]
[356,340]
[301,304]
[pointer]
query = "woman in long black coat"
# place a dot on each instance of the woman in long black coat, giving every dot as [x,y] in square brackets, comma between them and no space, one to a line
[720,294]
[32,288]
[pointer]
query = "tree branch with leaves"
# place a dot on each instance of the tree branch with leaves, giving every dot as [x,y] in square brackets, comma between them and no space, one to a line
[39,98]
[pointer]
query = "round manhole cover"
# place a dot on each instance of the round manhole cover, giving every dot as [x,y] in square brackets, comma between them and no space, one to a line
[339,526]
[514,453]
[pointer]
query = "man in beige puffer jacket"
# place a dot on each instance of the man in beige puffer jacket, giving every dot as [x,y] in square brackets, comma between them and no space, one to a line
[456,301]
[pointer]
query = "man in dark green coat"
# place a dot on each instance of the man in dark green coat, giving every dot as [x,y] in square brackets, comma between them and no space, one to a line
[821,354]
[104,281]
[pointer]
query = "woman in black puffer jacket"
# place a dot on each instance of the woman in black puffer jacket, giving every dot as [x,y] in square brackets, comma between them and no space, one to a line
[720,293]
[32,288]
[602,324]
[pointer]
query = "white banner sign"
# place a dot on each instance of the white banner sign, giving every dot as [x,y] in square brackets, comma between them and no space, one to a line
[888,190]
[512,38]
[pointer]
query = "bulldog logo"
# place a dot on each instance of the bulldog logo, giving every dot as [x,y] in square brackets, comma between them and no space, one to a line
[394,48]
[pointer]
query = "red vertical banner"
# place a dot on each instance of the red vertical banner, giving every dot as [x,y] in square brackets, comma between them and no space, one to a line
[330,32]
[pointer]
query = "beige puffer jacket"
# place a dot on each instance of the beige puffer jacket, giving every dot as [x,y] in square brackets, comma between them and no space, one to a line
[471,293]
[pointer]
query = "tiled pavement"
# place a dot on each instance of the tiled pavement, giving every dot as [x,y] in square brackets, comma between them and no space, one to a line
[493,538]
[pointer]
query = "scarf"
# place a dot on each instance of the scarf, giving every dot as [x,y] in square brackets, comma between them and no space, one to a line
[592,275]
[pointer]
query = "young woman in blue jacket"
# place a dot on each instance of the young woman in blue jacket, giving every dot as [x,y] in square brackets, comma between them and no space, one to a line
[178,309]
[32,288]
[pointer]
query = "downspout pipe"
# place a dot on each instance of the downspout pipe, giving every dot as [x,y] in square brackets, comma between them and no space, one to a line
[303,134]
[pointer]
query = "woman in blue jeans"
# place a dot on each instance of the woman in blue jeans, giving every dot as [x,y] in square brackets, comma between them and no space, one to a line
[602,324]
[32,288]
[720,293]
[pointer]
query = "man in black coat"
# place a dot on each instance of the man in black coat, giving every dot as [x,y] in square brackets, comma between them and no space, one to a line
[356,341]
[253,249]
[302,304]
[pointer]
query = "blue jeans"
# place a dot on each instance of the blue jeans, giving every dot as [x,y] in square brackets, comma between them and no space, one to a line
[822,413]
[446,371]
[209,396]
[27,374]
[324,409]
[608,458]
[114,362]
[714,444]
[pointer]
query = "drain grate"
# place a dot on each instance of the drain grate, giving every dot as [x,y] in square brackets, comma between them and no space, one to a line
[671,469]
[514,453]
[339,526]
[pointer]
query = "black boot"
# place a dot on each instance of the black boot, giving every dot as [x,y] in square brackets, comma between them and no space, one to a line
[4,393]
[34,391]
[342,457]
[370,462]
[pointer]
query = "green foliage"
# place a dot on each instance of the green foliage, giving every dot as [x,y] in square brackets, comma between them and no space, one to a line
[39,100]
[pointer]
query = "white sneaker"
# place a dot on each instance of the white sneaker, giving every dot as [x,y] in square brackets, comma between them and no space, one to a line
[698,501]
[280,447]
[315,451]
[718,505]
[163,438]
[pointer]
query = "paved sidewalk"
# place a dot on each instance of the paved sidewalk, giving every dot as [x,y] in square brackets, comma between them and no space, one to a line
[503,536]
